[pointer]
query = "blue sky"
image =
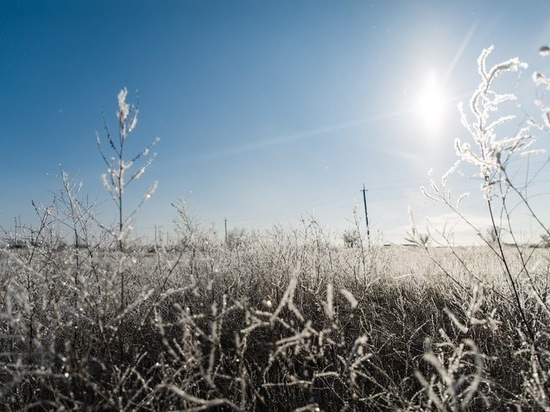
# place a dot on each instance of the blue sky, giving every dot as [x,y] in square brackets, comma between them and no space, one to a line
[265,109]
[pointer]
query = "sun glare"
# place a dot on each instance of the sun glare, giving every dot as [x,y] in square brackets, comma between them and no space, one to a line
[430,103]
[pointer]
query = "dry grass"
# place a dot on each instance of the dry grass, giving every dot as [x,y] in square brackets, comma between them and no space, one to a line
[285,319]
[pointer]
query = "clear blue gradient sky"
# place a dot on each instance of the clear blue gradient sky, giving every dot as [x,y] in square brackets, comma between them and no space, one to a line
[265,109]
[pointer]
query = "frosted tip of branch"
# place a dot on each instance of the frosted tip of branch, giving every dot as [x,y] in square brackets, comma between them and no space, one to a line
[538,78]
[123,107]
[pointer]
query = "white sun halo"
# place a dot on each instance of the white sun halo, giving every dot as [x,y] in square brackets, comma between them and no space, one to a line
[430,103]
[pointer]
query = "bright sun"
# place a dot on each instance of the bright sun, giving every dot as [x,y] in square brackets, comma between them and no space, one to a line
[430,103]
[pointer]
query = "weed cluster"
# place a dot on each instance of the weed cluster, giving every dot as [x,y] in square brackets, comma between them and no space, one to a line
[283,321]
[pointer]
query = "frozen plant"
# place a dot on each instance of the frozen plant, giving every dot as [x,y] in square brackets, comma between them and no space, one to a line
[491,153]
[115,180]
[499,150]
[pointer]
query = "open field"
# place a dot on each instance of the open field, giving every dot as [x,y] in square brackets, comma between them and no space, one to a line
[283,320]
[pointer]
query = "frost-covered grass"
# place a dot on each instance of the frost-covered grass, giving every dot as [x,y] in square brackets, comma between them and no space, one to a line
[282,321]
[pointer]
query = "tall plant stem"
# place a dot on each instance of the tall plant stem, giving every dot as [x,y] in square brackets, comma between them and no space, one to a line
[508,271]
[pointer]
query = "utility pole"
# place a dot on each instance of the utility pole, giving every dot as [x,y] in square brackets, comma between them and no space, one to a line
[366,213]
[225,224]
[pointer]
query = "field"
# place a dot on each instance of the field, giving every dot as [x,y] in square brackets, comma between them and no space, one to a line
[277,321]
[286,319]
